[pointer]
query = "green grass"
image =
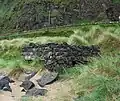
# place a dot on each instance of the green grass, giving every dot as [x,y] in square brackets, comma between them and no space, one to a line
[107,38]
[62,31]
[99,80]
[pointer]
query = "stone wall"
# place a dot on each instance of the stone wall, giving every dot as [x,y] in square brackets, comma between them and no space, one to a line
[113,12]
[35,14]
[58,56]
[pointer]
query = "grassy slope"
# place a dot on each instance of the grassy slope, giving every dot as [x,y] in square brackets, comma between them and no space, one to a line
[97,81]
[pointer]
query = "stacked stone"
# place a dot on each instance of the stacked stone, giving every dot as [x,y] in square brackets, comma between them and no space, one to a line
[58,56]
[113,12]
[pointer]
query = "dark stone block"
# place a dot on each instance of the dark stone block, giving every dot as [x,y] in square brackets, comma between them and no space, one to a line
[7,88]
[30,76]
[27,85]
[47,78]
[2,77]
[4,83]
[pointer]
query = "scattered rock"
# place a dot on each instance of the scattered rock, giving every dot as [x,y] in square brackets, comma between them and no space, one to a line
[2,77]
[47,78]
[4,83]
[7,88]
[28,15]
[113,12]
[26,75]
[27,85]
[36,92]
[30,75]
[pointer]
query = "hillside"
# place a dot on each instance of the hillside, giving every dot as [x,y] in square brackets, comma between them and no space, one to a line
[75,25]
[85,82]
[35,14]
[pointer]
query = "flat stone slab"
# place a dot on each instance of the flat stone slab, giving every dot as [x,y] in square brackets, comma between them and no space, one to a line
[47,78]
[27,85]
[36,92]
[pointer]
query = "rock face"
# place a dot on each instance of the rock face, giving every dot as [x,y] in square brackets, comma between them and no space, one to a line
[31,90]
[35,14]
[47,78]
[58,56]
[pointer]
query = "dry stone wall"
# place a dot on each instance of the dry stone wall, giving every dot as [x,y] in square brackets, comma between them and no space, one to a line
[113,12]
[56,56]
[43,13]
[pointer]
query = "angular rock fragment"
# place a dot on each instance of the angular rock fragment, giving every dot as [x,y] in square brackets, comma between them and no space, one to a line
[27,85]
[30,75]
[47,78]
[2,77]
[23,90]
[4,83]
[36,92]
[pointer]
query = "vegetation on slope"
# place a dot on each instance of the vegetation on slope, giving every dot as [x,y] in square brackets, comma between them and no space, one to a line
[97,81]
[35,14]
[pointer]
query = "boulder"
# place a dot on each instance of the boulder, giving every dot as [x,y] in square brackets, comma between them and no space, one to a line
[27,85]
[4,83]
[47,78]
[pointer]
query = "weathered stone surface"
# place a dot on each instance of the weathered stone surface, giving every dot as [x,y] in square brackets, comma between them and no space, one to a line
[30,75]
[7,88]
[4,83]
[43,13]
[47,78]
[3,77]
[113,12]
[27,85]
[58,56]
[36,92]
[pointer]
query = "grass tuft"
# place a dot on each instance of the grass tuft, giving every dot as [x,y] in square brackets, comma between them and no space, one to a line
[99,81]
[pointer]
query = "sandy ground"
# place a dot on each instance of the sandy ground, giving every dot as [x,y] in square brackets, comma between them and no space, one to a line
[58,91]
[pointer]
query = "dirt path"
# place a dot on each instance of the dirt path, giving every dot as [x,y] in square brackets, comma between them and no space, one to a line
[15,95]
[58,91]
